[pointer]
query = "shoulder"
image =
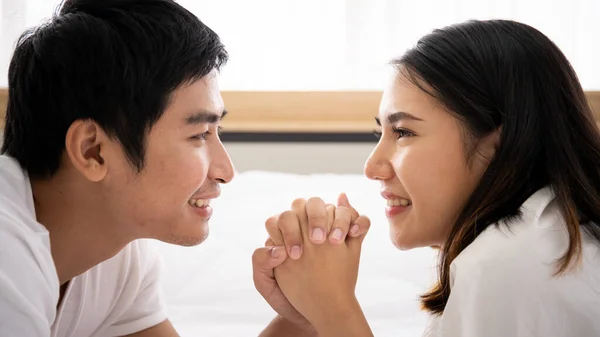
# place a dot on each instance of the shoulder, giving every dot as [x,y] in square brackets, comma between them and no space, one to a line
[502,280]
[27,271]
[525,254]
[25,251]
[25,242]
[25,245]
[28,276]
[12,178]
[524,249]
[16,199]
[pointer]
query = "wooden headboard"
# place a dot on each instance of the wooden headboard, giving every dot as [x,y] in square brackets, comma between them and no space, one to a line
[302,112]
[305,112]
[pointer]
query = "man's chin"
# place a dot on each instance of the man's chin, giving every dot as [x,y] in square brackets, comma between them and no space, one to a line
[189,238]
[186,241]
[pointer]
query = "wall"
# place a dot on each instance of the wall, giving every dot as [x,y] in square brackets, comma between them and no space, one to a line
[303,158]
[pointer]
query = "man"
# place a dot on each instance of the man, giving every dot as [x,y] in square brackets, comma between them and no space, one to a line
[111,136]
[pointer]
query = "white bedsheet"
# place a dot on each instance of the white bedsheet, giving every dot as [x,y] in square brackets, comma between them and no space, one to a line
[209,289]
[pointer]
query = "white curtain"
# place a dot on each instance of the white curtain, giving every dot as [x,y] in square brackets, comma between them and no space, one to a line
[345,44]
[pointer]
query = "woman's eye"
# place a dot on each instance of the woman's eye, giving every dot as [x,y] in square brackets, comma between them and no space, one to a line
[401,133]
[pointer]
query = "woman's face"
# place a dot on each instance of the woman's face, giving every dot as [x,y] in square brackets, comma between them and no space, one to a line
[426,169]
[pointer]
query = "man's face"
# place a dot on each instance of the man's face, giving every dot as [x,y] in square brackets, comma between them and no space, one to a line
[184,164]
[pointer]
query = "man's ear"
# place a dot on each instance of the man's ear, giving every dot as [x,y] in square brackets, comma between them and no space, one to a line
[84,144]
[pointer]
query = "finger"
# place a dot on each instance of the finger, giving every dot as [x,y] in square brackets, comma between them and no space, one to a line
[355,242]
[316,213]
[299,207]
[264,260]
[273,230]
[330,217]
[269,243]
[341,225]
[289,226]
[343,201]
[360,226]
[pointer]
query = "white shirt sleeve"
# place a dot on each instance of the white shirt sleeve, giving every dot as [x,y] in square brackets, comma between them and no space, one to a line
[28,282]
[147,308]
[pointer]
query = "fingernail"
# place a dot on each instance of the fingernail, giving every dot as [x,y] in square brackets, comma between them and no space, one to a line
[295,252]
[277,252]
[337,234]
[318,235]
[354,229]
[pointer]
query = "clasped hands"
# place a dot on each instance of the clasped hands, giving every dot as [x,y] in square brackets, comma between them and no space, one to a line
[308,269]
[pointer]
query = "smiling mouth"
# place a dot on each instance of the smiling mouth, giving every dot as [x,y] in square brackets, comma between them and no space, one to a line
[398,202]
[199,203]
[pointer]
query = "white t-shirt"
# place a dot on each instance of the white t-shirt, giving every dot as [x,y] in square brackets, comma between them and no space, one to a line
[117,297]
[503,285]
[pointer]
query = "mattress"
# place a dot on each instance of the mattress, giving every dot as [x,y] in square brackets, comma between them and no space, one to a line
[209,288]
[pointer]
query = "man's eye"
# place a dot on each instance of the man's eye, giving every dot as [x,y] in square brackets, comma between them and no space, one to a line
[201,136]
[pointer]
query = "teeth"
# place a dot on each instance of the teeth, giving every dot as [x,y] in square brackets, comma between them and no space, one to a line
[199,202]
[398,202]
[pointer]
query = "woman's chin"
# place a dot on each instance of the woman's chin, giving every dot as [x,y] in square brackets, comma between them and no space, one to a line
[401,241]
[404,241]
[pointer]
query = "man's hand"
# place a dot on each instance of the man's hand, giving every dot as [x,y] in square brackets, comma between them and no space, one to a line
[264,260]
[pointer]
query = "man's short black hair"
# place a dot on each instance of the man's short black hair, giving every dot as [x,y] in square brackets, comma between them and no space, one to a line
[115,62]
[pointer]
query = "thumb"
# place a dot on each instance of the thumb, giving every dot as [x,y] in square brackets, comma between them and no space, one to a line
[266,258]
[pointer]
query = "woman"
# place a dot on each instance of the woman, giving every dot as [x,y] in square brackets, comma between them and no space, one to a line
[490,151]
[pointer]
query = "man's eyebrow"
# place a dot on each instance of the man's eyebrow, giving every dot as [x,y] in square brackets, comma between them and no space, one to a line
[204,116]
